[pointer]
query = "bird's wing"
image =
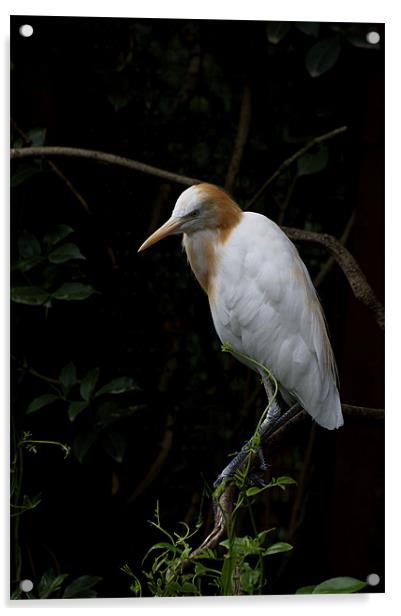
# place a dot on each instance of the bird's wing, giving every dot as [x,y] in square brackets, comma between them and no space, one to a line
[264,304]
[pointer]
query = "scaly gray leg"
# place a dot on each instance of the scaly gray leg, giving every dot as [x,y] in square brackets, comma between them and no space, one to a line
[269,426]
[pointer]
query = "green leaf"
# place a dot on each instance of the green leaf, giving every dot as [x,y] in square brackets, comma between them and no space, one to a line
[339,585]
[276,31]
[37,136]
[60,232]
[255,490]
[305,590]
[199,104]
[34,296]
[83,442]
[64,253]
[75,408]
[74,291]
[311,28]
[249,578]
[28,245]
[323,56]
[119,100]
[163,545]
[68,377]
[40,402]
[26,264]
[50,583]
[242,546]
[115,444]
[109,412]
[313,162]
[118,386]
[82,587]
[284,480]
[24,173]
[88,383]
[278,547]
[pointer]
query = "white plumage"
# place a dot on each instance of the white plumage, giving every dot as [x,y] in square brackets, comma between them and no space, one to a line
[264,305]
[261,297]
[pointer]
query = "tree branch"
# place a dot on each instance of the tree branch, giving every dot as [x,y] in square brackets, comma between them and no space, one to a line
[356,278]
[225,504]
[284,165]
[327,266]
[240,140]
[361,288]
[102,157]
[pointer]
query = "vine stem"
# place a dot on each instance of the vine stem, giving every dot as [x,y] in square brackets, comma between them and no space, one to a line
[288,161]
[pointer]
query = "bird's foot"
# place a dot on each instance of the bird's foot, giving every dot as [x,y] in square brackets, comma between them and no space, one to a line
[264,465]
[255,479]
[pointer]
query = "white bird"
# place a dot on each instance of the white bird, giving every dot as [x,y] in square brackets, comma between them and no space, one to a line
[261,297]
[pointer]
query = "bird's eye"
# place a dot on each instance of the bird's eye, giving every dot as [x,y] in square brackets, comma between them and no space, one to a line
[194,213]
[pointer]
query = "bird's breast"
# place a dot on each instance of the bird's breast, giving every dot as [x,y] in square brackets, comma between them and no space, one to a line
[201,252]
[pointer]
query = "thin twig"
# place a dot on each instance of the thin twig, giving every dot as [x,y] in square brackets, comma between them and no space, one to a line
[356,278]
[361,288]
[284,165]
[69,185]
[224,509]
[154,470]
[28,142]
[102,157]
[284,205]
[329,263]
[190,80]
[225,503]
[241,138]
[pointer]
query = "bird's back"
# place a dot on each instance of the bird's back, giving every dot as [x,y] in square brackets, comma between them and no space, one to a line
[264,305]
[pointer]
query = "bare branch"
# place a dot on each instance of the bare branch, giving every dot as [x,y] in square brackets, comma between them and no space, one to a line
[102,157]
[225,505]
[54,167]
[240,140]
[328,265]
[284,165]
[362,290]
[356,278]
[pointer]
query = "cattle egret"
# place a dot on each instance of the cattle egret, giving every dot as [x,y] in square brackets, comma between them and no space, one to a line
[261,297]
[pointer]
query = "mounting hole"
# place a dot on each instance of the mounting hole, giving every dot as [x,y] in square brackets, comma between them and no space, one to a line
[26,30]
[373,579]
[373,37]
[26,585]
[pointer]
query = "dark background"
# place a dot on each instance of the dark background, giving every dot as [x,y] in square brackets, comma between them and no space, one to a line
[168,93]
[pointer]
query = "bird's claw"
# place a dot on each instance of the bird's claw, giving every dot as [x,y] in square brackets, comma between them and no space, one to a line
[255,480]
[264,465]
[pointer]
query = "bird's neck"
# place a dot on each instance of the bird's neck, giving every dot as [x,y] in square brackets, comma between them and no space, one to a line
[201,248]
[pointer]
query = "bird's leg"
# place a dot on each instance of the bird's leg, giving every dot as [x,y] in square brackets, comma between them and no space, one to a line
[267,424]
[273,414]
[274,407]
[268,427]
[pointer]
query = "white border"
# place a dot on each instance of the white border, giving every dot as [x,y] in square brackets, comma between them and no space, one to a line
[293,10]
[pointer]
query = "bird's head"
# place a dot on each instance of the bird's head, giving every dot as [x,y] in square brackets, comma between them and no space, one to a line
[199,208]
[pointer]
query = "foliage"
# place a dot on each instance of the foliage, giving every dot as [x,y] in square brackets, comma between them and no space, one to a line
[41,259]
[91,320]
[338,585]
[237,567]
[323,54]
[53,586]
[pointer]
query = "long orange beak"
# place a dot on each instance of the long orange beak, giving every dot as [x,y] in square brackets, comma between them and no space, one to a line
[168,228]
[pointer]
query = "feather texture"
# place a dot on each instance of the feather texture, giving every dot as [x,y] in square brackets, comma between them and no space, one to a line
[264,305]
[262,299]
